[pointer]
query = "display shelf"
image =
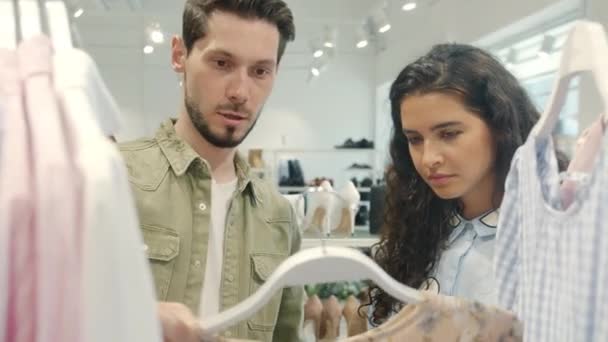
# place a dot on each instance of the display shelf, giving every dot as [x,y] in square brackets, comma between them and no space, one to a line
[320,150]
[340,242]
[361,239]
[303,188]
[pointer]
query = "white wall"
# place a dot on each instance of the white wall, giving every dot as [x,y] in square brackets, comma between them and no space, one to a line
[321,113]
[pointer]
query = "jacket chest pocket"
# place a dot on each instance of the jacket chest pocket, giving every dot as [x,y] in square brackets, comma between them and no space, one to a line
[162,246]
[262,266]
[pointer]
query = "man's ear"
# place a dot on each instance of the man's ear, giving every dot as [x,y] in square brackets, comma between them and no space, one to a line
[178,54]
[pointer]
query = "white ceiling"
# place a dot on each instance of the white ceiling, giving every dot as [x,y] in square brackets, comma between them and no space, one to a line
[122,27]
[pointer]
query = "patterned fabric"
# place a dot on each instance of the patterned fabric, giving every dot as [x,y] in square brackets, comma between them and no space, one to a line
[587,148]
[445,319]
[440,319]
[550,262]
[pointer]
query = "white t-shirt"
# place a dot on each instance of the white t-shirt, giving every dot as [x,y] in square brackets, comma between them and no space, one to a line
[220,199]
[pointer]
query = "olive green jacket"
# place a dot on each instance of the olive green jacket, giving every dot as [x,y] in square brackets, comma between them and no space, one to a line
[172,188]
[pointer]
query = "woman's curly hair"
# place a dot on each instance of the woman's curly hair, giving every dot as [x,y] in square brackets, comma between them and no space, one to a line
[417,221]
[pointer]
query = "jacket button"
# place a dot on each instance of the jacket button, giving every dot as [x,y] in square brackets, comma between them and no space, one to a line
[230,278]
[202,206]
[197,263]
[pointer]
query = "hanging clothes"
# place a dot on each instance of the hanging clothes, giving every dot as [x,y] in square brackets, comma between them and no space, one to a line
[587,148]
[549,259]
[57,186]
[74,267]
[441,318]
[118,294]
[17,208]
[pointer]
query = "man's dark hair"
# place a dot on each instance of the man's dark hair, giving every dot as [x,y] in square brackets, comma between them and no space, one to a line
[197,12]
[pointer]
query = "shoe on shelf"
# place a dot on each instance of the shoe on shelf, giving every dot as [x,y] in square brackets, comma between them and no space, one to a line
[362,216]
[299,174]
[356,320]
[330,320]
[349,143]
[361,166]
[364,143]
[351,197]
[367,183]
[313,311]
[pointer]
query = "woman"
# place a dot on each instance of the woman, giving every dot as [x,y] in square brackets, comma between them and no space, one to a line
[458,118]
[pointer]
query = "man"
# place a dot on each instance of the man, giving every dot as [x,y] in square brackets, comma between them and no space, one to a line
[213,232]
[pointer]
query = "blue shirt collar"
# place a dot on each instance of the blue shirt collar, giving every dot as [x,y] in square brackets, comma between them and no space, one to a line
[484,225]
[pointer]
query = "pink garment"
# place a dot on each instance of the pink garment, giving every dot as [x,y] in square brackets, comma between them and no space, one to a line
[17,210]
[118,300]
[587,148]
[57,194]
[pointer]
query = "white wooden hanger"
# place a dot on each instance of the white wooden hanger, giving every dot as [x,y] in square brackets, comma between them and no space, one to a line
[30,18]
[58,19]
[585,49]
[310,266]
[8,24]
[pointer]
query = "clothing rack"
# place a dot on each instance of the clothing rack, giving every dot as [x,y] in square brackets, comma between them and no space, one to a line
[61,28]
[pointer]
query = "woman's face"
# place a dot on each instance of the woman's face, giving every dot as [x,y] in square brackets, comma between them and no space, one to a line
[452,147]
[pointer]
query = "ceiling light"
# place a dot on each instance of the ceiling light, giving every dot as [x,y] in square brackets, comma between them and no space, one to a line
[384,28]
[318,53]
[361,44]
[157,37]
[154,34]
[380,21]
[409,6]
[362,37]
[329,37]
[78,13]
[148,49]
[319,64]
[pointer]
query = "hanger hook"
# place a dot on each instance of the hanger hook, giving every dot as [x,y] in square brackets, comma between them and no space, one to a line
[324,245]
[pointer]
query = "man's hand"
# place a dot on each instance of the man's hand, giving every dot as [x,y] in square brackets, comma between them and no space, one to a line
[178,323]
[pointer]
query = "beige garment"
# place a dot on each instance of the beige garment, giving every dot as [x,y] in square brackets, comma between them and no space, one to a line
[355,316]
[445,319]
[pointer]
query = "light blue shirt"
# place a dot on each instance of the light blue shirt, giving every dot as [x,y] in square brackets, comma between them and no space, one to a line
[465,268]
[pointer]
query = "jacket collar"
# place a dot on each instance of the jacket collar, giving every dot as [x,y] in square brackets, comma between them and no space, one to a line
[182,158]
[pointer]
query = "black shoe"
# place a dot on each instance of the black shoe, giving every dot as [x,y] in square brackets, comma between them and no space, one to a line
[364,143]
[298,177]
[362,216]
[349,143]
[367,183]
[360,166]
[364,195]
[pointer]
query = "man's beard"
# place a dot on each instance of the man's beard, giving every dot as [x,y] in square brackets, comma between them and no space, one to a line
[227,140]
